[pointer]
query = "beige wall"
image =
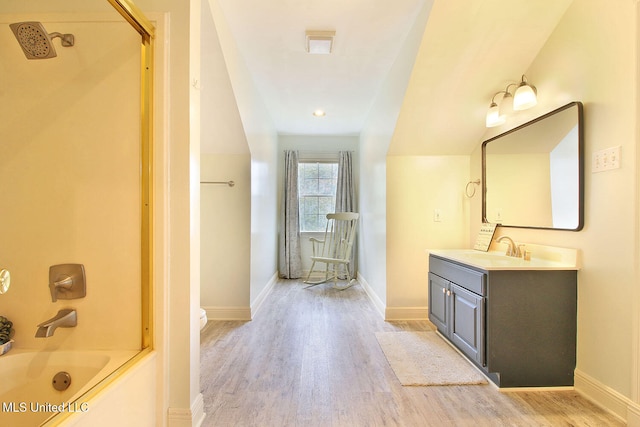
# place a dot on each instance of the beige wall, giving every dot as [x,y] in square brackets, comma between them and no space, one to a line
[417,186]
[591,57]
[69,164]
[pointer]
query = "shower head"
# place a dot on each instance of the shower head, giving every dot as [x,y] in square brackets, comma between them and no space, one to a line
[36,42]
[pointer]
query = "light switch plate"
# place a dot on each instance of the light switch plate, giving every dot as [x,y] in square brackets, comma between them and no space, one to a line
[606,159]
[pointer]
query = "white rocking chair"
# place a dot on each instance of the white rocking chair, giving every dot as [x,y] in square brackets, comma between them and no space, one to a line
[335,250]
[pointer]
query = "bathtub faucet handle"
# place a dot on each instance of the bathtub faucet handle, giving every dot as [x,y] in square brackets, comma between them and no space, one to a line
[67,281]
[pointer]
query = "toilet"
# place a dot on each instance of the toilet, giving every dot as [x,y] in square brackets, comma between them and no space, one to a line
[203,318]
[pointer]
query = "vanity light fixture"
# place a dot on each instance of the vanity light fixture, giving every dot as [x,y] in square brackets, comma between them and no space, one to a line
[525,96]
[320,42]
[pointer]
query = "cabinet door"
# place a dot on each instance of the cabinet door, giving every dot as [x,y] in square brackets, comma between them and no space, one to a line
[466,325]
[438,308]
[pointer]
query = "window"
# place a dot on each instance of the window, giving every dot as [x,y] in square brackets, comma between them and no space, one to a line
[317,190]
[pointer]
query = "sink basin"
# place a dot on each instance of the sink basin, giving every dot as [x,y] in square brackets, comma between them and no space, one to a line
[542,258]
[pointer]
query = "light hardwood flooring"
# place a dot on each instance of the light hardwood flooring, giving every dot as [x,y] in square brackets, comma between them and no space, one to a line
[310,358]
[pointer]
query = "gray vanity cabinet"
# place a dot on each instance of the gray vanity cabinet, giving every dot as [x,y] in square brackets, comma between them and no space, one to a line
[457,306]
[517,326]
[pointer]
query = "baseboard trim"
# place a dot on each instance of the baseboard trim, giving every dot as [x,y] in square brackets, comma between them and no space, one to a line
[193,417]
[259,301]
[392,313]
[406,313]
[373,297]
[633,416]
[607,398]
[228,313]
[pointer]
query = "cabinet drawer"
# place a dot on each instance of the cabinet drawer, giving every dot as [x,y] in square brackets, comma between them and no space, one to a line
[473,280]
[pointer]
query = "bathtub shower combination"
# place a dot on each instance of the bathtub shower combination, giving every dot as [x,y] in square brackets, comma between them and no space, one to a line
[60,354]
[38,385]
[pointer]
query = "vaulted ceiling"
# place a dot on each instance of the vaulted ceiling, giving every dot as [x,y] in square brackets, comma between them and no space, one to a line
[470,50]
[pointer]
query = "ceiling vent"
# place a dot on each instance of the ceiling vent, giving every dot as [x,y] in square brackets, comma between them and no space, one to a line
[320,42]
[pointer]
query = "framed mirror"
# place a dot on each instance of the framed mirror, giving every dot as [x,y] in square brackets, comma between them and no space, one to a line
[533,175]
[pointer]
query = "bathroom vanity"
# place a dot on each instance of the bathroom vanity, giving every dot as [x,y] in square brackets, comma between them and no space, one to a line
[515,319]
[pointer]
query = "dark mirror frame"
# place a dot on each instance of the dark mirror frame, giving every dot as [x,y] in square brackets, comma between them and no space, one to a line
[580,167]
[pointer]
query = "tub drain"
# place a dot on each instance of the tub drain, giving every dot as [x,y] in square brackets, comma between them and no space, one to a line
[61,381]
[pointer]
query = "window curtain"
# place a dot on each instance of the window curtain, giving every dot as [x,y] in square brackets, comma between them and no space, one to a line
[289,243]
[345,198]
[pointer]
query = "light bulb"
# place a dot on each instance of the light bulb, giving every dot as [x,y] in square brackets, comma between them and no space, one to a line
[525,97]
[494,118]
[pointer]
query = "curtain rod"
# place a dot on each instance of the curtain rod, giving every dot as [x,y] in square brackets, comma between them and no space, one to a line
[229,183]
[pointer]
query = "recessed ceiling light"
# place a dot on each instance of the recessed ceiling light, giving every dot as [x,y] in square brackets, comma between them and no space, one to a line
[320,42]
[319,113]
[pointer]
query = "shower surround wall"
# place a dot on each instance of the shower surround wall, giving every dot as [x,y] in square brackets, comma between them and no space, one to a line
[69,181]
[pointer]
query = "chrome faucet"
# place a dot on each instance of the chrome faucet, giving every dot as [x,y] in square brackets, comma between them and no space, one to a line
[66,318]
[512,250]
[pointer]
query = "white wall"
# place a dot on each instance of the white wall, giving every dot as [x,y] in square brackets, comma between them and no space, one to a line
[115,406]
[592,57]
[263,142]
[375,138]
[225,236]
[177,284]
[225,219]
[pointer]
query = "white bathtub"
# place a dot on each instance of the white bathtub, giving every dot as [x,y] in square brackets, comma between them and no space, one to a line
[27,396]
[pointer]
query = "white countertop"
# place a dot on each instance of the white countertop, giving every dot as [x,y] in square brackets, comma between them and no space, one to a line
[542,258]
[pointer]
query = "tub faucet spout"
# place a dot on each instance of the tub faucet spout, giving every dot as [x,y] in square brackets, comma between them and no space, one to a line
[66,318]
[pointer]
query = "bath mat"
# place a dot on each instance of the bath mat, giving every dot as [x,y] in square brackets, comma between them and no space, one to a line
[425,359]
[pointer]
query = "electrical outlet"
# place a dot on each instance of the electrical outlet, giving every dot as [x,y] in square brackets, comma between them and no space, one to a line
[437,215]
[606,159]
[613,157]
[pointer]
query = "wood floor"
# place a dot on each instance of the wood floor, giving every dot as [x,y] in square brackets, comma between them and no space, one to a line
[310,358]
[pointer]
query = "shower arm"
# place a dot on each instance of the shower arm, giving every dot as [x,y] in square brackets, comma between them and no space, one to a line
[67,40]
